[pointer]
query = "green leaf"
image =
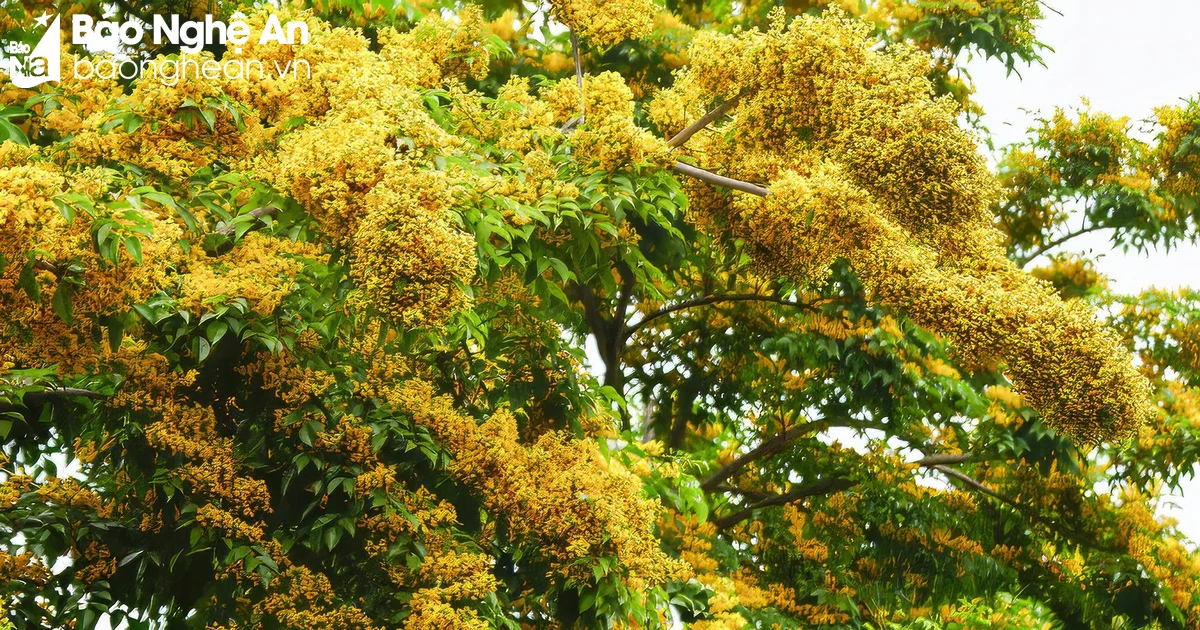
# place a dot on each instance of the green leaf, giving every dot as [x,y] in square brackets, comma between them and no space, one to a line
[332,536]
[28,281]
[9,131]
[61,302]
[134,247]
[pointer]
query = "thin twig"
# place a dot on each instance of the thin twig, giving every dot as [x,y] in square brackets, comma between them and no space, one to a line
[720,180]
[682,137]
[1043,3]
[579,76]
[258,213]
[829,485]
[45,265]
[1028,258]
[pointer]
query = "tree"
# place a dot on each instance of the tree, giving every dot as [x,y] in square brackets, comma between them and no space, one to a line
[309,351]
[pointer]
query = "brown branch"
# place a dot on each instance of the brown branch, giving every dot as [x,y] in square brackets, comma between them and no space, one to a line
[46,265]
[829,485]
[1049,523]
[258,214]
[579,76]
[1060,13]
[975,485]
[682,137]
[1022,261]
[720,180]
[767,448]
[33,399]
[713,299]
[936,460]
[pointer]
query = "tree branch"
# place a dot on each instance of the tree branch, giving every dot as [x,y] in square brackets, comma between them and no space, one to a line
[1028,258]
[713,299]
[582,118]
[1041,2]
[230,230]
[767,448]
[46,265]
[132,11]
[682,137]
[720,180]
[33,399]
[940,459]
[1050,523]
[829,485]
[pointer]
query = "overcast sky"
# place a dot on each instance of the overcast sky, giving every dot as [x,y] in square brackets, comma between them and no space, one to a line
[1126,58]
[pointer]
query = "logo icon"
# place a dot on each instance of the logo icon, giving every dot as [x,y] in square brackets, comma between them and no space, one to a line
[28,68]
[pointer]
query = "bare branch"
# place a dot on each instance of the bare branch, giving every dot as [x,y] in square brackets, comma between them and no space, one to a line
[720,180]
[683,136]
[1043,3]
[1028,258]
[713,299]
[579,76]
[33,399]
[765,449]
[939,459]
[831,485]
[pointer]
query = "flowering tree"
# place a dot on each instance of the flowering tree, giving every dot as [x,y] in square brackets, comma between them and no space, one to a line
[309,351]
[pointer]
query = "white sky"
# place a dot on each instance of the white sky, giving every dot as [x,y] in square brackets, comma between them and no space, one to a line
[1126,58]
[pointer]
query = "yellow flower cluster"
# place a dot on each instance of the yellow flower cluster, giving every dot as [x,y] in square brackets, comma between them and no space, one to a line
[1176,165]
[559,491]
[606,22]
[865,165]
[261,269]
[408,255]
[609,138]
[1071,274]
[301,598]
[23,567]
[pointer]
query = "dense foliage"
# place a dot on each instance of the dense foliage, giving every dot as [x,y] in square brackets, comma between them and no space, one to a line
[313,351]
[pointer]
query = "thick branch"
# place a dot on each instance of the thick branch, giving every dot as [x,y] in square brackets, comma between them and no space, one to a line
[720,180]
[713,299]
[683,136]
[937,460]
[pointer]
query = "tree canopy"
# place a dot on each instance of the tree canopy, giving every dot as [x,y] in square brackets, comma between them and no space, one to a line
[311,350]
